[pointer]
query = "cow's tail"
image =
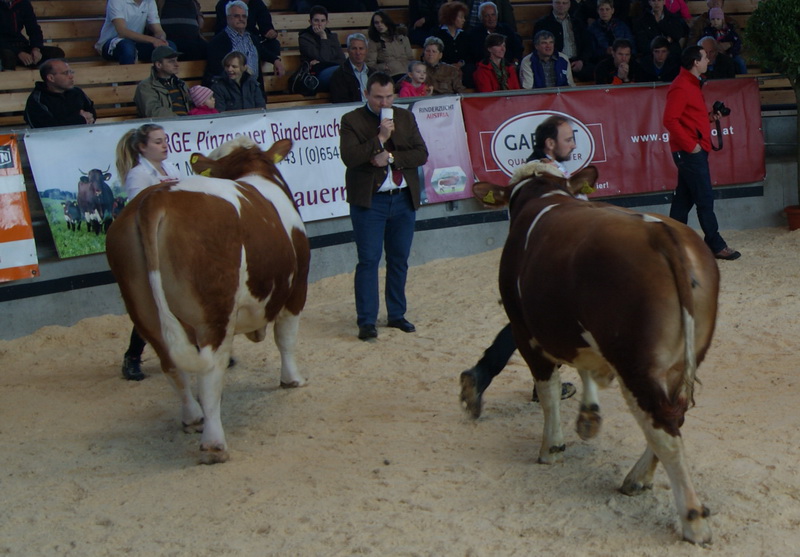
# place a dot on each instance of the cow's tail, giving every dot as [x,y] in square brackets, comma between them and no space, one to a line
[676,257]
[184,353]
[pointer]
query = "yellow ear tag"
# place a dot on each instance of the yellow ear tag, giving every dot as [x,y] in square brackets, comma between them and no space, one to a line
[194,159]
[276,158]
[206,173]
[586,189]
[489,198]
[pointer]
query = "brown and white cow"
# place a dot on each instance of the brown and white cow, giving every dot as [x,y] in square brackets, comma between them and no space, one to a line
[613,293]
[217,254]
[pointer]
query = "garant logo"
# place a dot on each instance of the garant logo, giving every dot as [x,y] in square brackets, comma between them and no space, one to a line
[513,141]
[6,160]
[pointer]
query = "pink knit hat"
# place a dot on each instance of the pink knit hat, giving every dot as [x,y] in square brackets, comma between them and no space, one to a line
[716,13]
[200,94]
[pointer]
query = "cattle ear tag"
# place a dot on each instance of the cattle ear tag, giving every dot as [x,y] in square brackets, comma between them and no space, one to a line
[276,158]
[195,158]
[206,173]
[489,197]
[586,189]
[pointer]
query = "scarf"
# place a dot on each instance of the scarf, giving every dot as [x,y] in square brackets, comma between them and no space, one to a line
[244,44]
[501,73]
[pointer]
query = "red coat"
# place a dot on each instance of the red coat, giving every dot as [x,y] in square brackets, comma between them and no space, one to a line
[486,80]
[686,115]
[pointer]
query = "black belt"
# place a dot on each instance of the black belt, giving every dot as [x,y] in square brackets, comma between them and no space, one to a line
[392,191]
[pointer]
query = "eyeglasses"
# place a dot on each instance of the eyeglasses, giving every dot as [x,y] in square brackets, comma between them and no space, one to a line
[238,16]
[68,72]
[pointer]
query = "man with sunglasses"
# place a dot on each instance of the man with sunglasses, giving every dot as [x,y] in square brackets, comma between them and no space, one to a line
[55,101]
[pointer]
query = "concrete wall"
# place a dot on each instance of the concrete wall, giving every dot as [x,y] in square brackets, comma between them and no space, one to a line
[68,291]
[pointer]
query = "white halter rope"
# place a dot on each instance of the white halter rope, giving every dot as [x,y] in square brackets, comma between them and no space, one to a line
[528,170]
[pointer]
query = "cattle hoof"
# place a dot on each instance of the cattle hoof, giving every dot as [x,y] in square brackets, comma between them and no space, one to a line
[470,397]
[213,455]
[292,384]
[195,427]
[696,529]
[589,422]
[633,488]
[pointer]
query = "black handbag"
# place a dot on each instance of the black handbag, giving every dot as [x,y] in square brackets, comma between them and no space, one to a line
[302,82]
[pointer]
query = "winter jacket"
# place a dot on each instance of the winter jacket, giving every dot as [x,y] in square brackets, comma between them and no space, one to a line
[46,109]
[152,97]
[686,114]
[390,56]
[15,17]
[312,47]
[486,79]
[345,87]
[230,95]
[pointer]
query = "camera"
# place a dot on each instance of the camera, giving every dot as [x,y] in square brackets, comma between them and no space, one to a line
[720,108]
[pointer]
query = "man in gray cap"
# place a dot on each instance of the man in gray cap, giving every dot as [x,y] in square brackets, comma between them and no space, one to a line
[163,93]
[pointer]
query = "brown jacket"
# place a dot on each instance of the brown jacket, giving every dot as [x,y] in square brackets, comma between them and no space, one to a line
[445,79]
[359,144]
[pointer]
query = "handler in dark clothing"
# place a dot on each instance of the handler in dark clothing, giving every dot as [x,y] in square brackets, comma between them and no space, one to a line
[55,101]
[15,49]
[382,154]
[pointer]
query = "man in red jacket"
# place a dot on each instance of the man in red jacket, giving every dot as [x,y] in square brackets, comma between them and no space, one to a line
[688,122]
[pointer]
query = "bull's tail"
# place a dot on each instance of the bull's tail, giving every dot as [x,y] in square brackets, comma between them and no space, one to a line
[184,353]
[670,245]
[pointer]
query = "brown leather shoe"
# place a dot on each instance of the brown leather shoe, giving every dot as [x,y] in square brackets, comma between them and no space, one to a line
[728,254]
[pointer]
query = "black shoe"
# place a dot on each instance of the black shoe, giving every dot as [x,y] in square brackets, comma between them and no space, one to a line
[131,368]
[567,390]
[366,332]
[403,324]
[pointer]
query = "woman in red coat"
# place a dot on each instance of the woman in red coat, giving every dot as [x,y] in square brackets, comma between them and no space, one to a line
[493,73]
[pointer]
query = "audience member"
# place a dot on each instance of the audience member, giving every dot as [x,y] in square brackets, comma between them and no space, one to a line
[606,29]
[55,101]
[203,100]
[349,81]
[163,94]
[423,17]
[618,68]
[728,41]
[389,49]
[493,73]
[443,78]
[182,21]
[544,67]
[659,65]
[259,25]
[505,13]
[15,48]
[657,22]
[452,16]
[123,37]
[489,24]
[702,21]
[236,89]
[720,65]
[678,8]
[320,47]
[414,84]
[571,38]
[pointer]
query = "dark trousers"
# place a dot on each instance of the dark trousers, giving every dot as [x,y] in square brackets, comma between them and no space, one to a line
[387,225]
[694,189]
[9,59]
[136,346]
[126,51]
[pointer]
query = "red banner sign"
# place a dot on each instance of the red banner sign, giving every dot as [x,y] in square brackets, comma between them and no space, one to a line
[618,130]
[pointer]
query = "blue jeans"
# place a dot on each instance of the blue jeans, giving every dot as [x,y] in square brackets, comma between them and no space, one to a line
[325,78]
[126,51]
[387,225]
[694,188]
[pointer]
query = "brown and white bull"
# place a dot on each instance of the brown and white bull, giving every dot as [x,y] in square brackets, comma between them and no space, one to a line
[217,254]
[613,293]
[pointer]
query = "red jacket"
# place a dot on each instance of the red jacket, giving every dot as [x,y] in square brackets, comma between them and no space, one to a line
[486,80]
[686,114]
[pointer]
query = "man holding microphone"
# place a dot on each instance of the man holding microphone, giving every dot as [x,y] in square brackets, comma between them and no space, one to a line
[382,149]
[689,125]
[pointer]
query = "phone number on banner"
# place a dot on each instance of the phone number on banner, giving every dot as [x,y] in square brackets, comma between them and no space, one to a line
[312,154]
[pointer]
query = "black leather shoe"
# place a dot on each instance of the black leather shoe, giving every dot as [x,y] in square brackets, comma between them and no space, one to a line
[131,368]
[366,332]
[402,324]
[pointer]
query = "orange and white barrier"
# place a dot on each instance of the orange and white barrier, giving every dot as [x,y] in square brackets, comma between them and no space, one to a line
[17,248]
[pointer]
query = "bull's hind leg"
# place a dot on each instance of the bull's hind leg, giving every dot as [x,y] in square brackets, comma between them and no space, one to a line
[640,478]
[670,451]
[213,447]
[589,419]
[286,327]
[191,412]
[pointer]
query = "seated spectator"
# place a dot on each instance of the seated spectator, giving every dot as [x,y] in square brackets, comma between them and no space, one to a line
[320,47]
[493,73]
[389,49]
[575,43]
[720,65]
[203,100]
[658,22]
[55,101]
[349,81]
[452,16]
[236,89]
[544,67]
[618,68]
[423,17]
[123,37]
[236,38]
[678,8]
[659,65]
[505,14]
[163,94]
[414,84]
[444,79]
[259,25]
[728,41]
[182,21]
[489,24]
[607,29]
[15,48]
[704,20]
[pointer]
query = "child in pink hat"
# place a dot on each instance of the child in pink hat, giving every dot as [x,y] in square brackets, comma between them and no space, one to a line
[203,99]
